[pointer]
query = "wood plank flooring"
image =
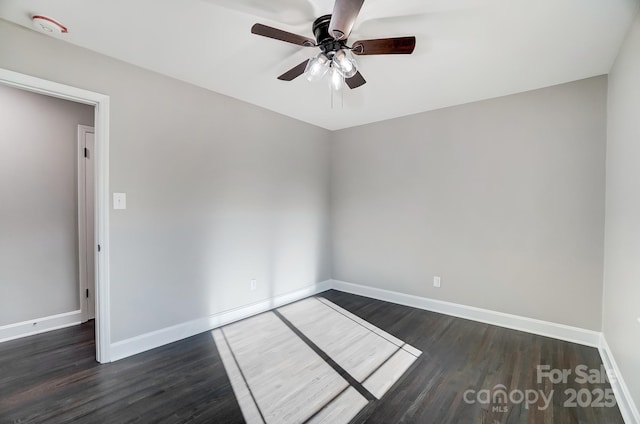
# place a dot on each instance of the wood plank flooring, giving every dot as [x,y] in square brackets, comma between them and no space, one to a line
[54,378]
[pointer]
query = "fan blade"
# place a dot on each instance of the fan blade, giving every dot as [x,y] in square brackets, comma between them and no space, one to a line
[278,34]
[398,45]
[294,72]
[343,17]
[355,81]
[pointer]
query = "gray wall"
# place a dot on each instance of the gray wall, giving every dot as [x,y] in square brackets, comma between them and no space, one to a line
[218,191]
[622,229]
[504,199]
[38,210]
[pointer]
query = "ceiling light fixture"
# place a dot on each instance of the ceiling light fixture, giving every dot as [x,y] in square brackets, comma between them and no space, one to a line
[339,64]
[345,63]
[335,60]
[317,67]
[341,61]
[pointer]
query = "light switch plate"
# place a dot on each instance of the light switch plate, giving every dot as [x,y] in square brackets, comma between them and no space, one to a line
[119,200]
[436,281]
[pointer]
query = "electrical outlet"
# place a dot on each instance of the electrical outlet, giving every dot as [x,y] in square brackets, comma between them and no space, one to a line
[436,281]
[254,284]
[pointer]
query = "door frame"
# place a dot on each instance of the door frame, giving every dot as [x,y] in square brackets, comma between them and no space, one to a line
[100,102]
[85,304]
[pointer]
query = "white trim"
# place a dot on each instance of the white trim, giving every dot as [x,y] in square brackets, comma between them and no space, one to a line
[148,341]
[627,406]
[101,123]
[101,220]
[38,325]
[515,322]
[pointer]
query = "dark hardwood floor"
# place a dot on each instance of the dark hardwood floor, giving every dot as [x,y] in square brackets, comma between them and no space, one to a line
[54,378]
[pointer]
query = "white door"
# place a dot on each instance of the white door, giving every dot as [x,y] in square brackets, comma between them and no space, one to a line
[86,221]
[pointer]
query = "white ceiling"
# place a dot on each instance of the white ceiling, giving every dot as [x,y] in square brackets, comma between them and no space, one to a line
[466,50]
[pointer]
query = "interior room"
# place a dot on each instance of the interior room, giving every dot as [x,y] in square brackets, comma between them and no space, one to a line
[338,211]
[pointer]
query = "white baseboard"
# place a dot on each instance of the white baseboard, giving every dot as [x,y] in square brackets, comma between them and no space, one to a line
[514,322]
[39,325]
[628,408]
[148,341]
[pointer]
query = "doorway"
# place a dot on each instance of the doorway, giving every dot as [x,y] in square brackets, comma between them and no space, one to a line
[101,184]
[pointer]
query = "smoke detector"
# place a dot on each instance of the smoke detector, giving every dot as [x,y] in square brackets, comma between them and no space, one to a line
[48,25]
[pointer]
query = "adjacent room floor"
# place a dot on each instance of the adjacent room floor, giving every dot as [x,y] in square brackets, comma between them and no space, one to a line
[453,371]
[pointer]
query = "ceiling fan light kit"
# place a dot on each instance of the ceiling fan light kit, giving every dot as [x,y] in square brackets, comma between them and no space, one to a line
[336,57]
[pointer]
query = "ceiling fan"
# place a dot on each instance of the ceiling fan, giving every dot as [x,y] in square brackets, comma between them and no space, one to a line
[336,56]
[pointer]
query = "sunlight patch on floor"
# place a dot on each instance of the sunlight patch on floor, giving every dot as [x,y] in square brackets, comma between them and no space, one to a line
[279,376]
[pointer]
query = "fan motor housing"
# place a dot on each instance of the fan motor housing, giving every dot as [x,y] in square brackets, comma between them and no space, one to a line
[325,41]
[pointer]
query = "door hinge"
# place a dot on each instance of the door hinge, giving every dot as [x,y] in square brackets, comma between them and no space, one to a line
[86,152]
[87,293]
[98,248]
